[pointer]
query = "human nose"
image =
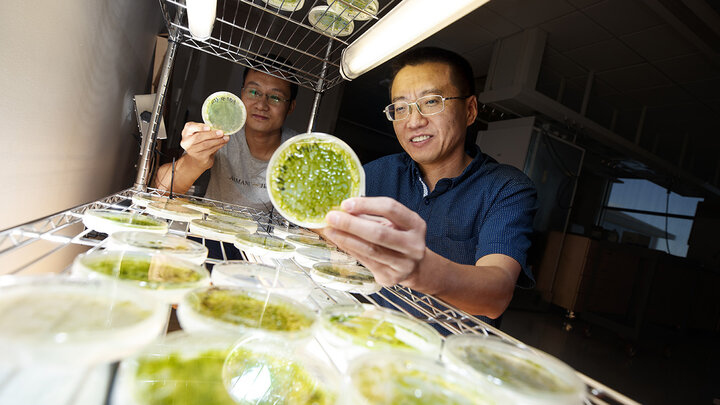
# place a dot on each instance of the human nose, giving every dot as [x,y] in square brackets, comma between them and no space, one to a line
[415,119]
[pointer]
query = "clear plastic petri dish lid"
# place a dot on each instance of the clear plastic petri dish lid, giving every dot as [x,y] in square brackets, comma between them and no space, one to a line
[110,221]
[311,174]
[264,245]
[175,369]
[345,277]
[214,229]
[62,321]
[276,279]
[360,10]
[224,111]
[143,199]
[373,328]
[236,310]
[393,377]
[249,225]
[285,231]
[308,257]
[168,244]
[523,374]
[173,210]
[308,242]
[196,203]
[167,277]
[273,371]
[231,213]
[286,5]
[330,22]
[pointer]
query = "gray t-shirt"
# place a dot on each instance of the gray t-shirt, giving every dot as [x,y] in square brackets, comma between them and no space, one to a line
[239,178]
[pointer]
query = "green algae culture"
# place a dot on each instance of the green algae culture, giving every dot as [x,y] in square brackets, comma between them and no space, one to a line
[349,273]
[369,329]
[329,22]
[403,378]
[224,111]
[307,241]
[311,174]
[153,271]
[351,8]
[176,379]
[266,242]
[110,221]
[249,309]
[256,378]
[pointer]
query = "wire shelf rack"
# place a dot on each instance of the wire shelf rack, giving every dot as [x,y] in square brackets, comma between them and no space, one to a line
[255,34]
[26,249]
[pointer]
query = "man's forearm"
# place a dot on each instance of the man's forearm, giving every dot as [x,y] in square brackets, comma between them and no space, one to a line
[482,289]
[186,172]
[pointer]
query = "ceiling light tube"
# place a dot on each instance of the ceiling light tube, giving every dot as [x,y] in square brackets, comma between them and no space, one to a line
[405,25]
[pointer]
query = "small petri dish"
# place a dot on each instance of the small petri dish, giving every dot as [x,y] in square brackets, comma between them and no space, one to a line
[196,204]
[238,310]
[221,212]
[386,377]
[167,277]
[345,277]
[525,375]
[224,111]
[308,242]
[311,174]
[143,199]
[214,229]
[285,231]
[173,210]
[264,245]
[274,371]
[110,221]
[64,321]
[249,225]
[275,279]
[360,10]
[168,244]
[179,368]
[347,331]
[308,257]
[286,5]
[329,22]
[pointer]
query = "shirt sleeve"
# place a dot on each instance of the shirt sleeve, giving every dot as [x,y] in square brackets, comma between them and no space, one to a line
[508,225]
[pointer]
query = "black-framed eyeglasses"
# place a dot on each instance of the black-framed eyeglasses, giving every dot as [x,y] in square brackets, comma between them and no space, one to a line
[255,94]
[426,105]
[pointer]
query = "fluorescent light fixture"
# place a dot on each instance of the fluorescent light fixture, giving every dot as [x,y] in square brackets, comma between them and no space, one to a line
[407,24]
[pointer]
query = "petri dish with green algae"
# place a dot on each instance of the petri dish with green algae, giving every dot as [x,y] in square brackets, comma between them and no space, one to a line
[345,277]
[311,174]
[173,210]
[360,10]
[525,375]
[59,320]
[264,245]
[301,241]
[224,111]
[347,331]
[214,229]
[168,244]
[328,21]
[143,199]
[286,5]
[179,368]
[249,225]
[276,279]
[110,221]
[238,310]
[275,371]
[167,277]
[310,256]
[400,377]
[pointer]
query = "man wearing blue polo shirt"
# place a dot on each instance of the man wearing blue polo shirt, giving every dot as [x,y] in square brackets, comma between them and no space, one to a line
[438,218]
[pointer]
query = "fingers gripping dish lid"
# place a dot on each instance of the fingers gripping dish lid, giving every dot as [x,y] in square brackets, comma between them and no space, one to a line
[311,174]
[224,111]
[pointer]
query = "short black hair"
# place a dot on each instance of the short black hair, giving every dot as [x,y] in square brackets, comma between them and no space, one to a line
[460,69]
[272,61]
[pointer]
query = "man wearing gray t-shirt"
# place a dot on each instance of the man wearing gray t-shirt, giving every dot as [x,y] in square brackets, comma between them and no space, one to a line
[237,171]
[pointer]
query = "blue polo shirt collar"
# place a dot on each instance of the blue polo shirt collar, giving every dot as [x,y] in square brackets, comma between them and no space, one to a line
[446,184]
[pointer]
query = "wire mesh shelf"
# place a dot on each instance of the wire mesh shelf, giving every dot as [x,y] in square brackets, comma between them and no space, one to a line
[258,35]
[64,231]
